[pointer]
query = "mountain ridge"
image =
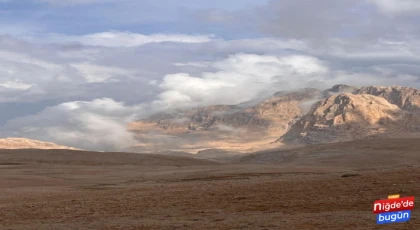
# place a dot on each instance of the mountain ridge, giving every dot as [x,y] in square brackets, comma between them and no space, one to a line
[274,121]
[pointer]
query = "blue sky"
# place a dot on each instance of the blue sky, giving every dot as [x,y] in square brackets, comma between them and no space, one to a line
[72,70]
[144,17]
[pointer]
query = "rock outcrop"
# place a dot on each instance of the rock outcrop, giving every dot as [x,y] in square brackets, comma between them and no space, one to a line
[345,117]
[406,98]
[341,89]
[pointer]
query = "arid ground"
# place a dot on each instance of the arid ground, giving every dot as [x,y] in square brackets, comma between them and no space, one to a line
[64,189]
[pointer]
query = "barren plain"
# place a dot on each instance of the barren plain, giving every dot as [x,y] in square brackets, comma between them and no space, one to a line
[327,186]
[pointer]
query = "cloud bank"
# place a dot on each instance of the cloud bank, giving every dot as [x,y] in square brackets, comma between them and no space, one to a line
[98,125]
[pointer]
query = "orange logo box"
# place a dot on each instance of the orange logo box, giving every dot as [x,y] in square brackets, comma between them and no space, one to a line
[396,196]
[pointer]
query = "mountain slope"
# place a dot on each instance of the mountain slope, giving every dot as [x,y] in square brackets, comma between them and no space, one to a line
[341,113]
[360,154]
[22,143]
[346,117]
[225,127]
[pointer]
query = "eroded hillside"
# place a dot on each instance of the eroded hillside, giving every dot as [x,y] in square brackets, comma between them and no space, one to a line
[306,116]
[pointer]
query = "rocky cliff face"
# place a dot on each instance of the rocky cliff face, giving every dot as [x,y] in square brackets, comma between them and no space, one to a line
[405,97]
[346,117]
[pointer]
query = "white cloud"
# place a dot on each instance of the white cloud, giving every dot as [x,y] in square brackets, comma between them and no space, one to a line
[239,78]
[26,59]
[269,66]
[397,6]
[16,85]
[95,73]
[124,39]
[193,64]
[99,124]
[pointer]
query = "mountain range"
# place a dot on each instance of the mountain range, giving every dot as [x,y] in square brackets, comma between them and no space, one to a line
[302,117]
[285,120]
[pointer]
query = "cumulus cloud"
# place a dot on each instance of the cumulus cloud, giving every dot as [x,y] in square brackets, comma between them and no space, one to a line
[40,76]
[246,77]
[92,125]
[240,78]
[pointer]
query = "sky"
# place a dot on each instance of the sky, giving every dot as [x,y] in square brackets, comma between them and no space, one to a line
[74,72]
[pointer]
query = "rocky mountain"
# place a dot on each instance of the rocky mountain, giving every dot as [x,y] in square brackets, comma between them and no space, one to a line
[305,116]
[227,127]
[369,112]
[22,143]
[340,89]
